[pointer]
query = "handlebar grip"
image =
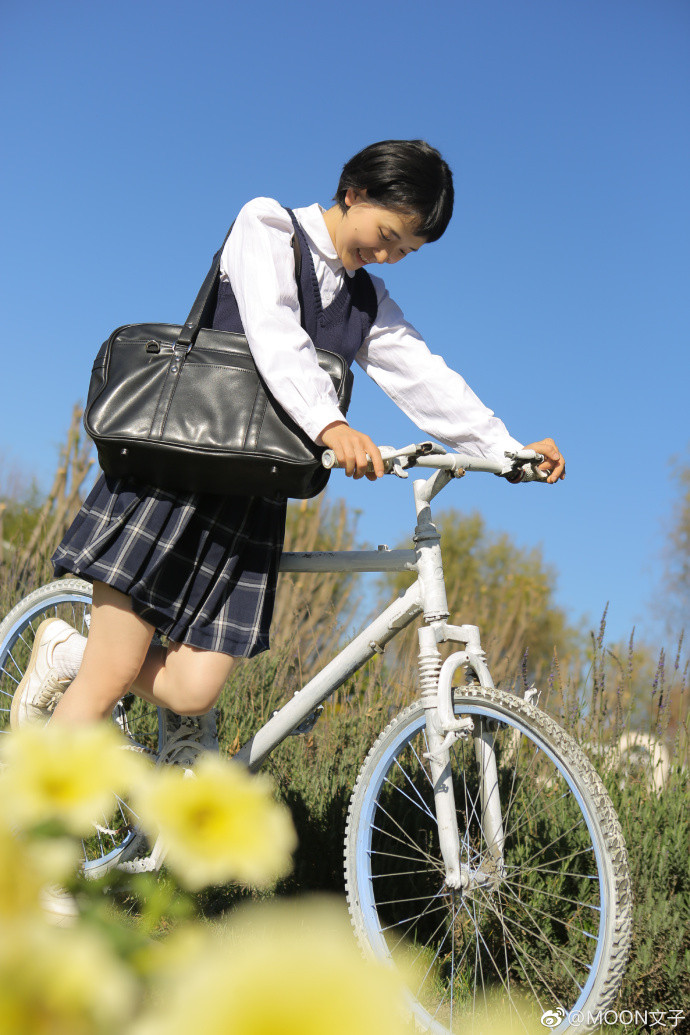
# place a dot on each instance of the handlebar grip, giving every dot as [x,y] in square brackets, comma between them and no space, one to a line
[330,461]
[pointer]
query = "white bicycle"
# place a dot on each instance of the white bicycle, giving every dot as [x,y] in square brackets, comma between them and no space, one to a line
[480,843]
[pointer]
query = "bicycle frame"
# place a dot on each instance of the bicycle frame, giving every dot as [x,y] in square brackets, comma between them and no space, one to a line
[427,596]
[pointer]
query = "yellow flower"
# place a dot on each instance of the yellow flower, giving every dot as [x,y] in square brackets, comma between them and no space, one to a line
[218,824]
[25,868]
[58,981]
[66,774]
[280,969]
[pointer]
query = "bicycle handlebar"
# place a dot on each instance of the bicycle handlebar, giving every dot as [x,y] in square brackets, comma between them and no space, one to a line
[523,463]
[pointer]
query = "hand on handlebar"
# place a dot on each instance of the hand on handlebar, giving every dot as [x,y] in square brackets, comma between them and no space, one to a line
[348,449]
[351,448]
[554,463]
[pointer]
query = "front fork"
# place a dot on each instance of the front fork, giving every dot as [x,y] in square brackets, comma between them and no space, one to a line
[443,731]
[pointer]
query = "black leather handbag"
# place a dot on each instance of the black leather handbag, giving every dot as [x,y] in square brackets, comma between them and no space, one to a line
[184,408]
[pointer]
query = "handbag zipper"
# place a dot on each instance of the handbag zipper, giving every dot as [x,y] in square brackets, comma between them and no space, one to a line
[165,346]
[158,346]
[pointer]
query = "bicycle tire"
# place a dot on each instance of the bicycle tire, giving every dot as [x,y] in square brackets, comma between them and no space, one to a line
[550,935]
[117,838]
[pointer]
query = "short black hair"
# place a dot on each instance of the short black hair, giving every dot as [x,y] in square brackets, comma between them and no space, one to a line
[408,175]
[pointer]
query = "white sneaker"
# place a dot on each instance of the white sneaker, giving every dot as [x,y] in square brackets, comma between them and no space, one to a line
[59,906]
[186,736]
[41,688]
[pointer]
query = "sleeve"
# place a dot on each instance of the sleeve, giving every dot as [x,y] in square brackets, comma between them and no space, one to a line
[259,263]
[436,398]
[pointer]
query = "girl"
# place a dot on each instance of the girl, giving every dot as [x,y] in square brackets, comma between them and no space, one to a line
[202,569]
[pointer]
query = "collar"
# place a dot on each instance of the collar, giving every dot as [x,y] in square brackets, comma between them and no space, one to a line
[312,222]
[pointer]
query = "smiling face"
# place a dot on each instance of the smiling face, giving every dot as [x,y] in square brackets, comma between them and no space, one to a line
[367,233]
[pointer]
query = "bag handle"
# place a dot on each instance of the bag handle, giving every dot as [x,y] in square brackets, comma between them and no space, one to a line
[199,312]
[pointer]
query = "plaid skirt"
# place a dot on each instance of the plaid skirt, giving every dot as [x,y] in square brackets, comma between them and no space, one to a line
[200,568]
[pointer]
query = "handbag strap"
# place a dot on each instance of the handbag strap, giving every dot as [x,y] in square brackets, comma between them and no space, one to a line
[199,313]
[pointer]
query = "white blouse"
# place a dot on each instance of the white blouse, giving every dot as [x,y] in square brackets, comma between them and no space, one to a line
[259,263]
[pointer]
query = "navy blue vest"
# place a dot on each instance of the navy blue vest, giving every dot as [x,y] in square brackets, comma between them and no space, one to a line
[341,327]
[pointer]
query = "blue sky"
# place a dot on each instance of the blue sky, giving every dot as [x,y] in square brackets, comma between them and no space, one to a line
[133,132]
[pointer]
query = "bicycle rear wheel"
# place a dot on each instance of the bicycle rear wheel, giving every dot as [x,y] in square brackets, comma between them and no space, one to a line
[545,934]
[116,835]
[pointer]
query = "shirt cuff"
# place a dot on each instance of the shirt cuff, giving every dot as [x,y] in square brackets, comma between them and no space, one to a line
[496,450]
[318,420]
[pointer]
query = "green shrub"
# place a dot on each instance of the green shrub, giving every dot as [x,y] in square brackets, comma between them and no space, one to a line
[656,828]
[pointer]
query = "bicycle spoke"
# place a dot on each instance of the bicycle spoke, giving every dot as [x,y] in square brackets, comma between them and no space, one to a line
[410,919]
[557,873]
[424,808]
[433,961]
[9,674]
[524,778]
[555,949]
[530,817]
[408,842]
[509,803]
[452,965]
[561,898]
[521,952]
[549,916]
[423,804]
[425,912]
[393,855]
[476,967]
[471,806]
[399,873]
[564,858]
[400,901]
[505,982]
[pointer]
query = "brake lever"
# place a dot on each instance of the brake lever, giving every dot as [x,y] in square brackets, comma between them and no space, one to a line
[398,461]
[524,467]
[532,473]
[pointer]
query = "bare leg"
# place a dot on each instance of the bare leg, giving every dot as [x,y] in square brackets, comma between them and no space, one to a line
[119,657]
[186,679]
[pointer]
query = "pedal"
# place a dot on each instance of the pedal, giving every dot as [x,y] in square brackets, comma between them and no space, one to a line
[307,725]
[146,864]
[119,717]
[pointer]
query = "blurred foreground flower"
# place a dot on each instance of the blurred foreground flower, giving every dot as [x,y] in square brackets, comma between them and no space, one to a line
[56,981]
[277,969]
[219,824]
[63,774]
[25,868]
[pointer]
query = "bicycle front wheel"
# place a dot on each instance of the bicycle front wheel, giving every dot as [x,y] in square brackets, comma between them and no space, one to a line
[543,928]
[116,836]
